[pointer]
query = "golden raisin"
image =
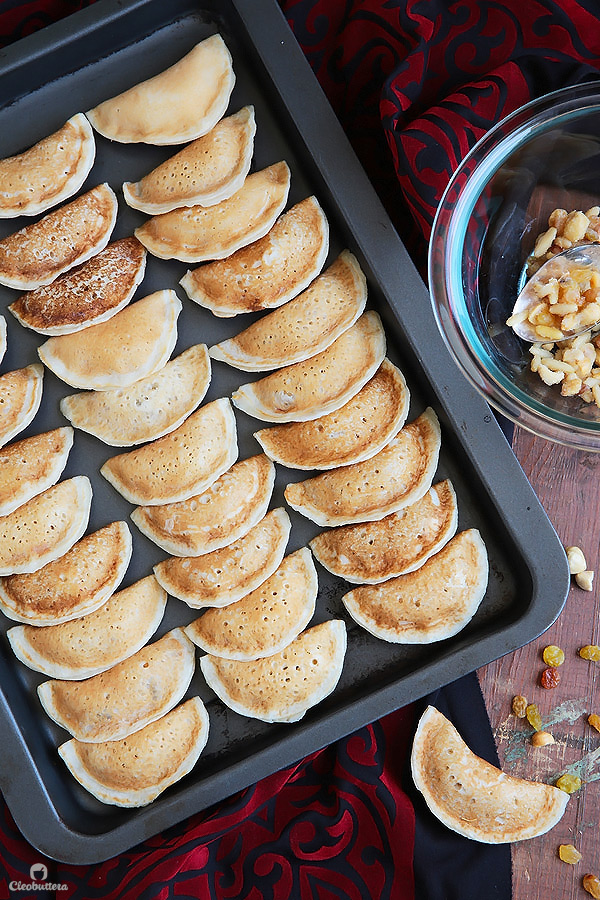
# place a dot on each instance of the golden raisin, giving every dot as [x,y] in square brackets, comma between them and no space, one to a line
[519,706]
[553,656]
[569,783]
[592,885]
[550,678]
[569,854]
[594,721]
[533,716]
[590,651]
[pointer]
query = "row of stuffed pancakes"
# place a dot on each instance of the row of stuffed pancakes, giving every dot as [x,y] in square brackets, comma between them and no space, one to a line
[332,401]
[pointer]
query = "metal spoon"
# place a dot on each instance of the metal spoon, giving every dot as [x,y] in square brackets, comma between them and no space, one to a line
[582,256]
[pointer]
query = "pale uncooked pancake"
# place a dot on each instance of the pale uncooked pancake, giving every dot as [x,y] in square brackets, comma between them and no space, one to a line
[282,687]
[366,491]
[228,574]
[430,604]
[49,172]
[208,170]
[356,431]
[268,272]
[45,527]
[86,295]
[20,398]
[198,233]
[134,771]
[303,327]
[75,584]
[96,642]
[133,693]
[222,514]
[321,384]
[136,342]
[29,466]
[2,337]
[265,621]
[371,552]
[181,464]
[69,235]
[473,797]
[175,106]
[146,409]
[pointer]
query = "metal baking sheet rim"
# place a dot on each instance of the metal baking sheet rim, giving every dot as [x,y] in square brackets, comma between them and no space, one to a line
[481,439]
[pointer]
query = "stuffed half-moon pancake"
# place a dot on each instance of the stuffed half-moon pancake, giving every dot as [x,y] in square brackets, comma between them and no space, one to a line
[45,527]
[197,233]
[148,408]
[266,620]
[208,170]
[97,641]
[49,172]
[60,240]
[31,465]
[282,687]
[356,431]
[135,770]
[20,398]
[133,693]
[175,106]
[136,342]
[181,464]
[303,327]
[371,552]
[268,272]
[321,384]
[73,585]
[366,491]
[473,797]
[430,604]
[86,295]
[228,574]
[217,517]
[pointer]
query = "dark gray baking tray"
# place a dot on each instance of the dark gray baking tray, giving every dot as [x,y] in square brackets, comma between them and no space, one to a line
[71,67]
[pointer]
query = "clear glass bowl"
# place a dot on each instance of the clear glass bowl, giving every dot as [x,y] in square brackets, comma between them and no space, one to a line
[543,156]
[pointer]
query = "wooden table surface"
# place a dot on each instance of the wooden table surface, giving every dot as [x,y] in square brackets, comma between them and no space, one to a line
[567,483]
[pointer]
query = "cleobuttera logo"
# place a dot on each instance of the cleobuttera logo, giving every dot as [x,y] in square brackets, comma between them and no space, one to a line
[38,872]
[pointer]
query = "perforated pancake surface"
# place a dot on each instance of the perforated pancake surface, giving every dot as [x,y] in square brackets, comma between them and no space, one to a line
[29,466]
[20,398]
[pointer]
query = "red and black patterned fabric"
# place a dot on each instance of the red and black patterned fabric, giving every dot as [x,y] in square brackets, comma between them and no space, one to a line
[415,83]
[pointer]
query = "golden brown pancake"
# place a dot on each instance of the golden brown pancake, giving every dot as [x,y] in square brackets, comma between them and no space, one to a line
[147,409]
[371,552]
[430,604]
[69,235]
[135,342]
[86,295]
[282,687]
[75,584]
[356,431]
[177,105]
[222,514]
[97,641]
[197,233]
[181,464]
[228,574]
[473,797]
[205,172]
[29,466]
[321,384]
[268,272]
[45,527]
[49,172]
[134,771]
[303,327]
[133,693]
[20,398]
[265,621]
[366,491]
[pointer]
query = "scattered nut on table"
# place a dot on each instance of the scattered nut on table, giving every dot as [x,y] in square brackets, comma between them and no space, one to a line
[542,739]
[585,580]
[576,560]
